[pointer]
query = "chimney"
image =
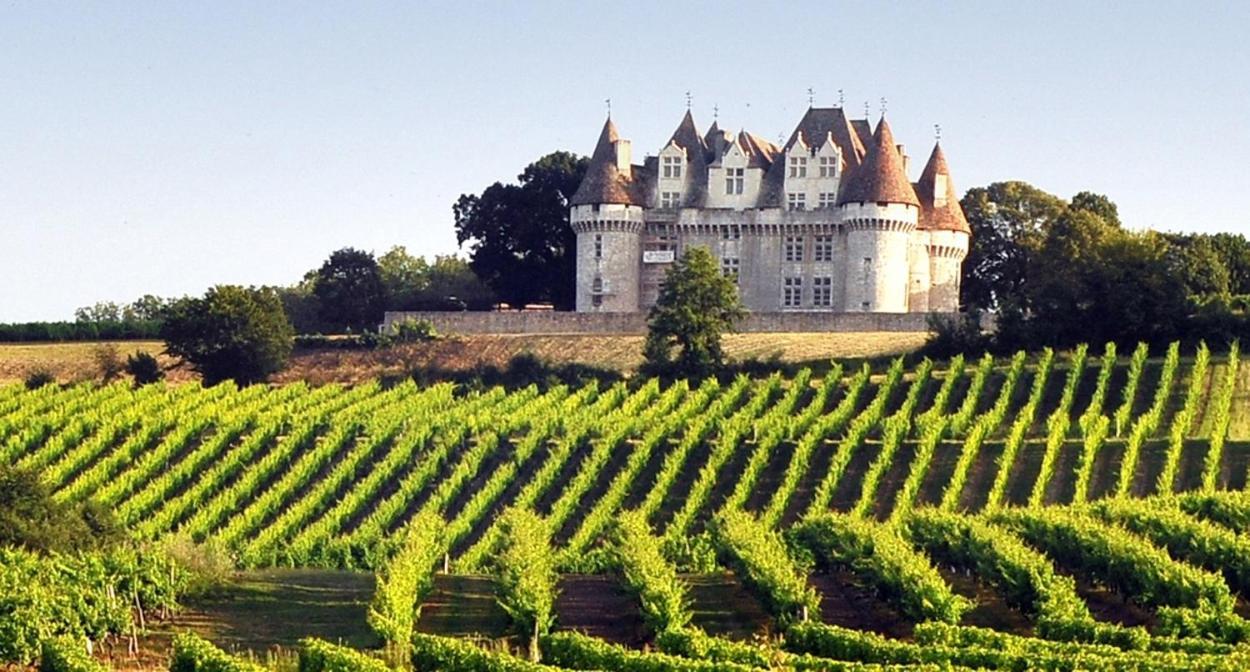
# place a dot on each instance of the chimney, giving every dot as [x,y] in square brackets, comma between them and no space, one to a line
[624,157]
[906,160]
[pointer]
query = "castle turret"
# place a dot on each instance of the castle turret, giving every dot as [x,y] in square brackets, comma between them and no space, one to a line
[880,212]
[944,231]
[607,215]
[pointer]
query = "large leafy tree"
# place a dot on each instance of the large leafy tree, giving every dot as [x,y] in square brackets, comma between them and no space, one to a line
[519,239]
[697,304]
[349,290]
[1009,222]
[446,283]
[233,332]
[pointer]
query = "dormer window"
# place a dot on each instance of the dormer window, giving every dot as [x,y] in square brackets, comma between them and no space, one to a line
[828,166]
[672,166]
[670,199]
[734,180]
[798,166]
[796,201]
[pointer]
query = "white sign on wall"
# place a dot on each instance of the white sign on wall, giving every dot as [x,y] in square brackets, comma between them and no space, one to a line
[657,256]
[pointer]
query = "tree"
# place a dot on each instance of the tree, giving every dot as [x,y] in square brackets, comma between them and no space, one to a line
[412,283]
[233,332]
[520,242]
[349,289]
[695,306]
[103,311]
[1008,221]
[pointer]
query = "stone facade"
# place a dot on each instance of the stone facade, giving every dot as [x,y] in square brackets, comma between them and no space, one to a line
[828,223]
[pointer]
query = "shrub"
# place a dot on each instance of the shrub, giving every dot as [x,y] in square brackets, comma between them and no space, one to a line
[144,368]
[65,654]
[193,654]
[108,361]
[39,377]
[413,331]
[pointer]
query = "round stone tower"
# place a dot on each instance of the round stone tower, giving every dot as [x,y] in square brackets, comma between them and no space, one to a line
[880,213]
[945,230]
[607,215]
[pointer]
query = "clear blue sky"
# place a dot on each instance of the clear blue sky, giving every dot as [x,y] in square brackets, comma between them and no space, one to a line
[162,147]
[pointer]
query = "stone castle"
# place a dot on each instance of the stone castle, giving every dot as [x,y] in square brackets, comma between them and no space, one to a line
[827,223]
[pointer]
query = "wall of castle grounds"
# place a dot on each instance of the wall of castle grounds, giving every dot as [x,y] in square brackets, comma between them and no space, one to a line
[552,322]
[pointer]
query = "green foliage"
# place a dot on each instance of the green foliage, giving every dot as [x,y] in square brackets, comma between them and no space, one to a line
[66,654]
[527,576]
[639,554]
[405,581]
[83,596]
[696,305]
[317,655]
[520,241]
[877,555]
[31,518]
[232,333]
[759,557]
[579,652]
[144,368]
[349,290]
[430,652]
[194,654]
[446,283]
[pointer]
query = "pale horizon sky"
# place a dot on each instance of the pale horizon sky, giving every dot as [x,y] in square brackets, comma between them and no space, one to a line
[150,147]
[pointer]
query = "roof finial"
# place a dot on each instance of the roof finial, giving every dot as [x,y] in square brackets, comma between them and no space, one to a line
[841,98]
[811,96]
[867,110]
[715,112]
[937,132]
[609,103]
[883,106]
[688,99]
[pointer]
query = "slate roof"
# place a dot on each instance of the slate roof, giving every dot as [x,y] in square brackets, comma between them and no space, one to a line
[603,182]
[880,178]
[687,137]
[863,130]
[948,217]
[817,124]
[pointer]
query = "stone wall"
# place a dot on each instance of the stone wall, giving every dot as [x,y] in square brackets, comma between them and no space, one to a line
[549,322]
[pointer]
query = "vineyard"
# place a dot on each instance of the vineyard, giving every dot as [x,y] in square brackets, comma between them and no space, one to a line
[1077,510]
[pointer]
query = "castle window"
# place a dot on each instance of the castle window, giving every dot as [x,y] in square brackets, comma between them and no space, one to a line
[824,248]
[866,306]
[794,248]
[672,166]
[730,233]
[822,292]
[598,249]
[729,267]
[828,166]
[792,293]
[670,199]
[596,286]
[796,201]
[827,200]
[734,179]
[798,166]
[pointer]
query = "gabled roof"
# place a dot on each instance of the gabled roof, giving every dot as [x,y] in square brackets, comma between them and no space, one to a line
[949,216]
[880,178]
[716,140]
[687,137]
[603,182]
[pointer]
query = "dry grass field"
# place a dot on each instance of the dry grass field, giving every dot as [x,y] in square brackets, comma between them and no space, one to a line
[76,361]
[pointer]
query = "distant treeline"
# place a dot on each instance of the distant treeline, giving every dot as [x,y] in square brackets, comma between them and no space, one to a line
[43,332]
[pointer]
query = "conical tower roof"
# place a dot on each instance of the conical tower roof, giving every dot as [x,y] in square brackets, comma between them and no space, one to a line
[880,178]
[949,216]
[603,182]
